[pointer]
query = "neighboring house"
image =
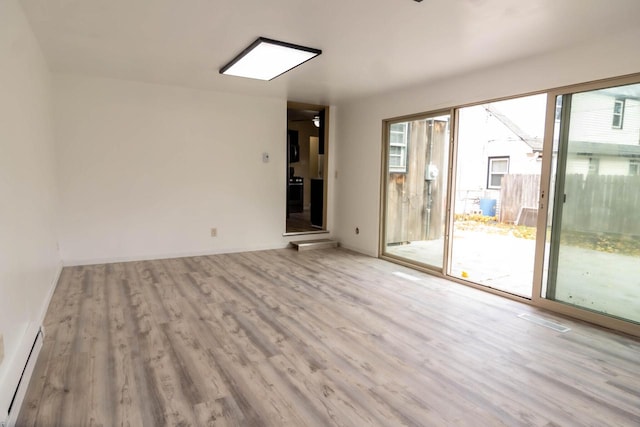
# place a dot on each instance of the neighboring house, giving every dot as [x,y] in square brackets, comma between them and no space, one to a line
[604,139]
[604,136]
[491,145]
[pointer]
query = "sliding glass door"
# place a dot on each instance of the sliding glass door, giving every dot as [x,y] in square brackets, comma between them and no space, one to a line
[415,189]
[535,196]
[594,259]
[498,166]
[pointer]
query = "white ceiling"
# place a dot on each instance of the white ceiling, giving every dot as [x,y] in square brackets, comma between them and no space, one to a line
[369,46]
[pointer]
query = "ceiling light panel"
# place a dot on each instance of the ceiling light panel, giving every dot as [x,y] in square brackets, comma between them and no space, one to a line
[266,59]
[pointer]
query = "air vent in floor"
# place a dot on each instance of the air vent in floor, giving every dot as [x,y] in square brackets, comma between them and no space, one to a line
[543,322]
[406,276]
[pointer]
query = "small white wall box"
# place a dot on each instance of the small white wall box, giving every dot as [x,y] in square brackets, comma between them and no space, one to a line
[431,172]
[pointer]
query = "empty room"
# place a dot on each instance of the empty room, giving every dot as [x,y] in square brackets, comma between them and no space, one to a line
[296,213]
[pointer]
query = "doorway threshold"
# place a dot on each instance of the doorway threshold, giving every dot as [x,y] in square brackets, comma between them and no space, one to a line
[306,245]
[304,233]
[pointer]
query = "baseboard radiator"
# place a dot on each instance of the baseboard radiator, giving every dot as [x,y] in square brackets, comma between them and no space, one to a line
[23,383]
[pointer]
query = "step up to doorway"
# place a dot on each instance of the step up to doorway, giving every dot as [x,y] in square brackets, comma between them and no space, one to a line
[306,245]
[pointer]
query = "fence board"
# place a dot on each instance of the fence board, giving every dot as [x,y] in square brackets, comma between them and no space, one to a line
[602,204]
[518,191]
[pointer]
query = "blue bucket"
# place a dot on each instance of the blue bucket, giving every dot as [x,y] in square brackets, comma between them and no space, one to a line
[488,207]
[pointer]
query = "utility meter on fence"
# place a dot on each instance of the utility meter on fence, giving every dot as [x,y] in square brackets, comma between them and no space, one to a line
[431,172]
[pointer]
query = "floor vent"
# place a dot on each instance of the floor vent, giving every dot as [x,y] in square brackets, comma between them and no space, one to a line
[306,245]
[543,322]
[406,276]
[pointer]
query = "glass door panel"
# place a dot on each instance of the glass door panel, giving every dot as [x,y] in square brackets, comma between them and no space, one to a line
[595,250]
[416,189]
[498,167]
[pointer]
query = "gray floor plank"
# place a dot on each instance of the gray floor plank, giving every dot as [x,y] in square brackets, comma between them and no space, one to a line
[326,337]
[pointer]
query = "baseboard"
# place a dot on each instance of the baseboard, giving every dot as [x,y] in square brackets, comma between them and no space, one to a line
[20,373]
[23,383]
[52,289]
[150,257]
[359,250]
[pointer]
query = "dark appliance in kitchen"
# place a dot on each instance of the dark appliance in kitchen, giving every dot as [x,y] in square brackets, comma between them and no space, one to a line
[295,187]
[317,203]
[294,146]
[295,194]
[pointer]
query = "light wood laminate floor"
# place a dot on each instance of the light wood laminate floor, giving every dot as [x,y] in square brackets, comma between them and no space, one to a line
[316,338]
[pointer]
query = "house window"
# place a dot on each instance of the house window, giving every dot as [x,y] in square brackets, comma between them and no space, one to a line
[634,167]
[618,114]
[498,167]
[398,137]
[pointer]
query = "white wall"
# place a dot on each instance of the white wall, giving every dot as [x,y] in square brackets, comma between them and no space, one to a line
[146,171]
[360,122]
[29,261]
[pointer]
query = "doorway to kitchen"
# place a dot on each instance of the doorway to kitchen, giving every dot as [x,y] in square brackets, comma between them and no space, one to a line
[307,160]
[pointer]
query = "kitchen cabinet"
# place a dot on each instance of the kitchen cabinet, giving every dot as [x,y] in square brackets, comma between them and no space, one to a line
[317,202]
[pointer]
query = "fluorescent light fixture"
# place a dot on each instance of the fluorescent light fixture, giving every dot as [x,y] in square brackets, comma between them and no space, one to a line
[266,59]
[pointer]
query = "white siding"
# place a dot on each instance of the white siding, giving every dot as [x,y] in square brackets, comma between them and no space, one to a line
[614,166]
[578,165]
[592,118]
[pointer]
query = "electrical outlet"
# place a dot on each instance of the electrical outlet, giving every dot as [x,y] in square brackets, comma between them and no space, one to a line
[214,232]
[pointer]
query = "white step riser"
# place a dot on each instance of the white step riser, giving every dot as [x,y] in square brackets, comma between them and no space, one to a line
[311,244]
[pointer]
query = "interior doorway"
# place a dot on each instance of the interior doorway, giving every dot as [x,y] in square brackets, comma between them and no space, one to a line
[307,160]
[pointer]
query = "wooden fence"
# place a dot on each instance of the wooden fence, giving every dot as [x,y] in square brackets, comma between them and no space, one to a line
[593,204]
[602,204]
[408,218]
[518,194]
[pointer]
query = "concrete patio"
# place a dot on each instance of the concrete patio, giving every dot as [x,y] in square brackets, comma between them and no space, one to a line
[599,281]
